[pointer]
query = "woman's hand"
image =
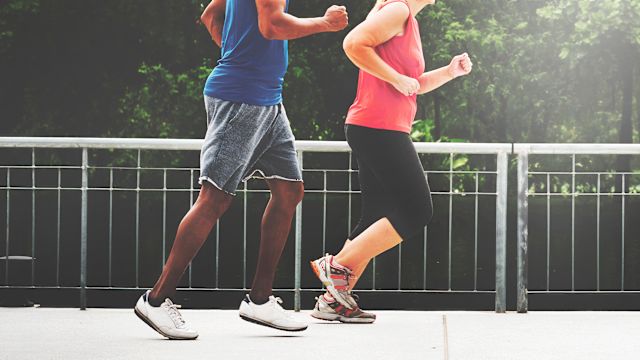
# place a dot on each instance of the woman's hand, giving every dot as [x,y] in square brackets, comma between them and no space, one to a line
[407,86]
[460,65]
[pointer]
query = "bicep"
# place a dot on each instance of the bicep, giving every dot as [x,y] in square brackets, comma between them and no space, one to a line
[215,9]
[380,26]
[269,11]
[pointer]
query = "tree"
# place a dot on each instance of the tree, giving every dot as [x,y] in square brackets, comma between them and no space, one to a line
[601,40]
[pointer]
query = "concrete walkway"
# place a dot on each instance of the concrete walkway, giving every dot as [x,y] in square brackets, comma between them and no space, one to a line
[69,334]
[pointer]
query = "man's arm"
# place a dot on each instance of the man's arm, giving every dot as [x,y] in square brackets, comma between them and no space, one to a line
[213,19]
[276,24]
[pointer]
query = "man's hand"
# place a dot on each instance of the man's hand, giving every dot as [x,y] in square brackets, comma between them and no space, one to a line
[460,65]
[336,18]
[276,24]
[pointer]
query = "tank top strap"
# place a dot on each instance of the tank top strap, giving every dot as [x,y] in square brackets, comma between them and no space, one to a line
[394,1]
[410,20]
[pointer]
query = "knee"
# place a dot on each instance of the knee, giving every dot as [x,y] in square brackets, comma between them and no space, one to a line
[214,200]
[427,213]
[289,195]
[419,216]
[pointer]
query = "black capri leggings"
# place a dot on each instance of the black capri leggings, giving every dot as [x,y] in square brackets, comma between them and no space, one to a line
[392,180]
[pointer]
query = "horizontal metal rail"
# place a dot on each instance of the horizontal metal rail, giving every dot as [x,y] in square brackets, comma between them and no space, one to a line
[318,146]
[574,149]
[196,144]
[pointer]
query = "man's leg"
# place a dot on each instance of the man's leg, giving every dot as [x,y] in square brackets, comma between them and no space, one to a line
[192,233]
[276,223]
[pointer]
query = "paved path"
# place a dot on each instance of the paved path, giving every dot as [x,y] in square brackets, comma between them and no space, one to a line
[70,334]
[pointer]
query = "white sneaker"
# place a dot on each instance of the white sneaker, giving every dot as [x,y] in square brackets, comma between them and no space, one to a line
[269,314]
[165,319]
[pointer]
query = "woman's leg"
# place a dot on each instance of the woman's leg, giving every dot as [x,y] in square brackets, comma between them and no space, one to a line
[356,271]
[373,204]
[378,238]
[392,159]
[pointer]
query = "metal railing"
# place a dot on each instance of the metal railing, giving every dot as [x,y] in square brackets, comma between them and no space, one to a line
[102,178]
[579,179]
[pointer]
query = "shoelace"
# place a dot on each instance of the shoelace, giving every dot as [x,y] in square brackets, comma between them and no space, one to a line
[174,314]
[276,301]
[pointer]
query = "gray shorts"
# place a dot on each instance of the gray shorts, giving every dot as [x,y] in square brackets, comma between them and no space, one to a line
[245,141]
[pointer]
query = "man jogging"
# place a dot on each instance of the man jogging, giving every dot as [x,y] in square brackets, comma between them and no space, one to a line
[248,134]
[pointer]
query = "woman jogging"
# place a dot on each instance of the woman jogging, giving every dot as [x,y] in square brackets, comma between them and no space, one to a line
[396,201]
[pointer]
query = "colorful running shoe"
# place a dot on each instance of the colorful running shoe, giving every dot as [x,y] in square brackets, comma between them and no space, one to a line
[330,309]
[335,278]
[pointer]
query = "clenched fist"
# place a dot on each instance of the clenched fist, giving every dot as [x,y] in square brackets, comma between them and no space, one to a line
[336,18]
[460,65]
[407,86]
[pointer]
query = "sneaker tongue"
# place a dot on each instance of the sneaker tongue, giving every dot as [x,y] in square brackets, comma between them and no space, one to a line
[168,301]
[275,302]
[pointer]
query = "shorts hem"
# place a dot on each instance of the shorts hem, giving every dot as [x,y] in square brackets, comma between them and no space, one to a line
[202,179]
[262,175]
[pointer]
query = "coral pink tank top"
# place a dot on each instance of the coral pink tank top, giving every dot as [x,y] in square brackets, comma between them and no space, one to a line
[378,104]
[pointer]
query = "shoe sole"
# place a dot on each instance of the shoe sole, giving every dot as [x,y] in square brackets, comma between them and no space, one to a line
[151,325]
[340,318]
[263,323]
[328,284]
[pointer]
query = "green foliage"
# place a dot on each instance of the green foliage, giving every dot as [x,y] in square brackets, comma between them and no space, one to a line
[545,70]
[165,105]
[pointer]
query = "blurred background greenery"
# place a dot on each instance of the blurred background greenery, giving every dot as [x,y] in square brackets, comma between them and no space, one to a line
[546,70]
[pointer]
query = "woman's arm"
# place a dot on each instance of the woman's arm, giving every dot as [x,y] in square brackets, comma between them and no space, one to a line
[213,19]
[378,28]
[460,65]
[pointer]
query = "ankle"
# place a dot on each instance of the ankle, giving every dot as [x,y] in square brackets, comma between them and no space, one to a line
[258,299]
[335,263]
[155,301]
[156,298]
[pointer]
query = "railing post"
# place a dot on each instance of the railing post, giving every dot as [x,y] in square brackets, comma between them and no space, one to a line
[501,231]
[83,230]
[8,228]
[523,220]
[298,247]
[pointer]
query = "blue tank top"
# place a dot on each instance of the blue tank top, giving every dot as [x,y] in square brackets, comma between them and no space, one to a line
[251,68]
